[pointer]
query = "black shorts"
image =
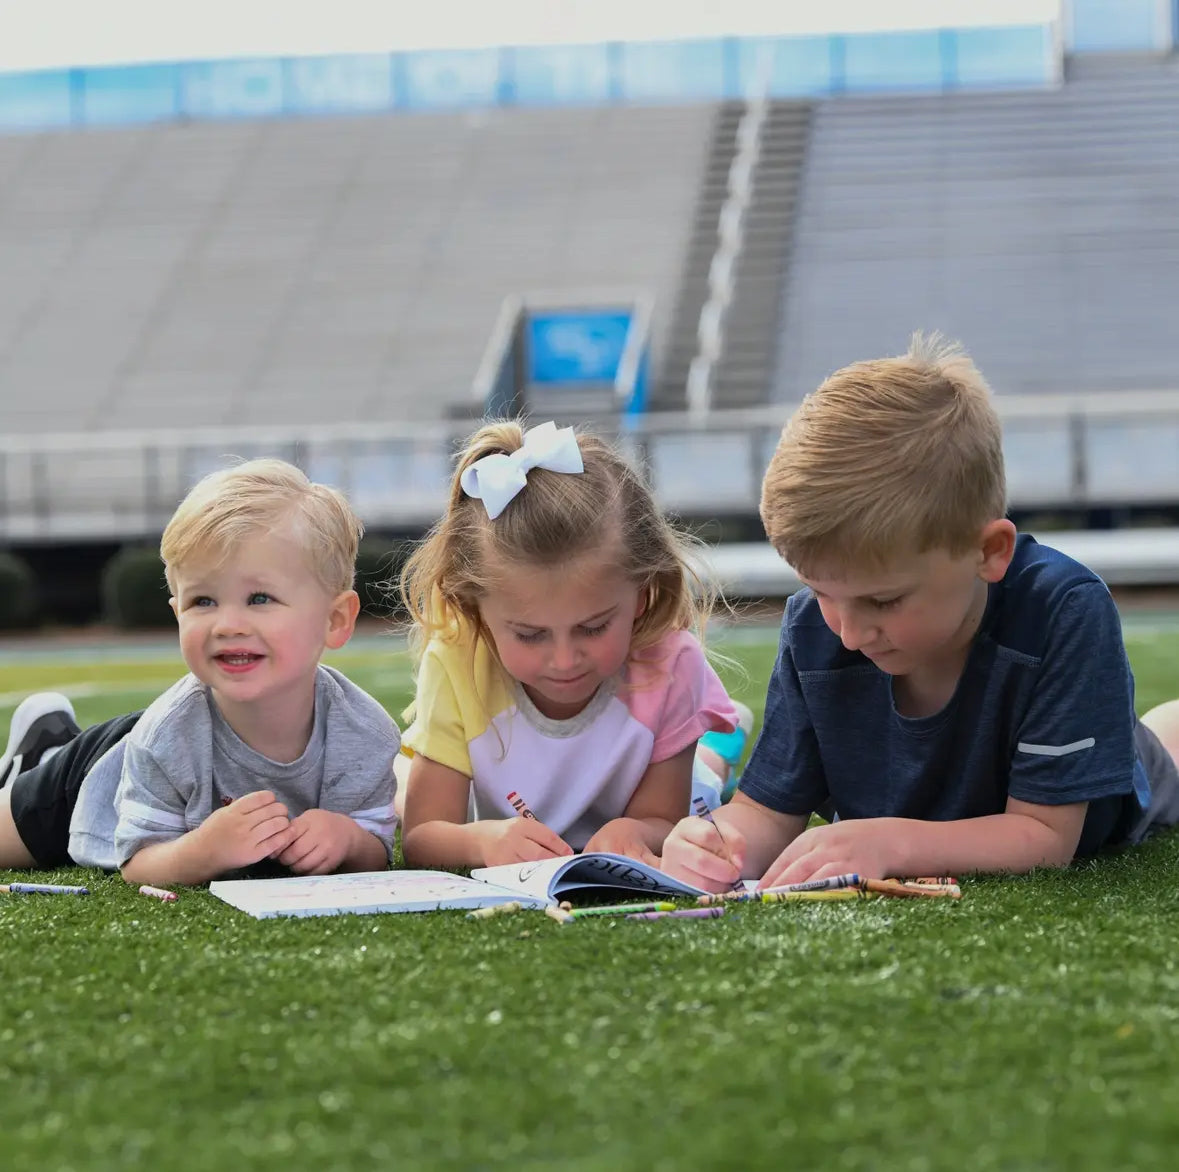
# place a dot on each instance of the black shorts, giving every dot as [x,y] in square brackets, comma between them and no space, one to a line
[43,799]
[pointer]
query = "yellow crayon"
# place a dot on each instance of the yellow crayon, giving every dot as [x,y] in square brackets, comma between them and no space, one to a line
[499,909]
[835,893]
[556,913]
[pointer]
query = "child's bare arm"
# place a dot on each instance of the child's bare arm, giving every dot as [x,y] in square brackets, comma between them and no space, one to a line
[237,835]
[659,801]
[436,833]
[1022,837]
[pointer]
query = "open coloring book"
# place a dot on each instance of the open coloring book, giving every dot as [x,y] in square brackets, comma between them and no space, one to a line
[532,884]
[587,873]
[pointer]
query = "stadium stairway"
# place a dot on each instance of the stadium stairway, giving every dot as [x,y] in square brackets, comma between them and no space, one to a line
[668,392]
[744,373]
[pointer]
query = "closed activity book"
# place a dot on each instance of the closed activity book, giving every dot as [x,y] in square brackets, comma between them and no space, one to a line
[363,892]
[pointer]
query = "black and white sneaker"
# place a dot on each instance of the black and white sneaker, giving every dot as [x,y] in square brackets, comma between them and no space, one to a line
[42,722]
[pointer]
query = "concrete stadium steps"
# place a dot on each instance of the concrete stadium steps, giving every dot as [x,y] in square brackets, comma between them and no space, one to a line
[311,271]
[1041,229]
[744,374]
[668,392]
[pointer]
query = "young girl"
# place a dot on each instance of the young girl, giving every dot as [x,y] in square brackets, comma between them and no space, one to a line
[560,691]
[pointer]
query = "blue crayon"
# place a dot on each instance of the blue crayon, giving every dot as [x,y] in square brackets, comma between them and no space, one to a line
[43,889]
[831,883]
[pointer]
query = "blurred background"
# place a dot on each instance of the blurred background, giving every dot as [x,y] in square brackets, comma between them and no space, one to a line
[342,235]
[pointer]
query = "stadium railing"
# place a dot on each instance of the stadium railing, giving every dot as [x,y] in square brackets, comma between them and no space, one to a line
[1063,452]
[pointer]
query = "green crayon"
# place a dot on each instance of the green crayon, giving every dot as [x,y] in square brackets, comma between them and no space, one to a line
[621,909]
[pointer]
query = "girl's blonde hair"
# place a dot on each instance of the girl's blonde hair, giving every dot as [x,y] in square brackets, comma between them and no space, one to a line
[228,506]
[887,459]
[556,517]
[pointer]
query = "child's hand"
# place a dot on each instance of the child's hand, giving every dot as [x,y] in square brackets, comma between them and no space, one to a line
[624,836]
[521,840]
[321,840]
[696,852]
[858,845]
[245,832]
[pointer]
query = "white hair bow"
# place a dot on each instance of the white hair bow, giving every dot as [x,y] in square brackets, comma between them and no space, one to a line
[496,479]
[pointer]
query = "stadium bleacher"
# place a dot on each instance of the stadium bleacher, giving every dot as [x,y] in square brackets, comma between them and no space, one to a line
[230,280]
[313,271]
[1038,226]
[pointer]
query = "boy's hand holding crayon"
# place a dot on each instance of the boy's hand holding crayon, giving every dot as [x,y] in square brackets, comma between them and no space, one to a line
[699,853]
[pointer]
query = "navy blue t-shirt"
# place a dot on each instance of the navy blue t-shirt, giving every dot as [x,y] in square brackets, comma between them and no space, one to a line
[1043,712]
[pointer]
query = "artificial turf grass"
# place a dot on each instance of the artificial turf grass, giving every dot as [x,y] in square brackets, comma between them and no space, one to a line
[880,1035]
[1029,1025]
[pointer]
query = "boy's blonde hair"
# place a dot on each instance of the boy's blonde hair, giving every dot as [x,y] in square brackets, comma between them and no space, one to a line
[226,507]
[887,459]
[556,517]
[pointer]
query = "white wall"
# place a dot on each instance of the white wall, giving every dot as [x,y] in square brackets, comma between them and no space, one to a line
[38,34]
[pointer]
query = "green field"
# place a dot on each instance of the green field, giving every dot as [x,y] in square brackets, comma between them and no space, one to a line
[1031,1025]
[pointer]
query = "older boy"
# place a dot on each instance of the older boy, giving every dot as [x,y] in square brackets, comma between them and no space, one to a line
[260,752]
[959,696]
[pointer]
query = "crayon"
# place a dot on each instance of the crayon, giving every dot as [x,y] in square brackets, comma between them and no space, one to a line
[690,913]
[42,889]
[555,913]
[520,806]
[618,909]
[498,909]
[741,895]
[158,893]
[834,894]
[895,887]
[831,883]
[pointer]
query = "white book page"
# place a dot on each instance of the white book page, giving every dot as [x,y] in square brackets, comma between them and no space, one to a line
[552,878]
[361,892]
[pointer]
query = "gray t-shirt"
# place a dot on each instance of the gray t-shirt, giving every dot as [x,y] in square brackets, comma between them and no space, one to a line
[182,761]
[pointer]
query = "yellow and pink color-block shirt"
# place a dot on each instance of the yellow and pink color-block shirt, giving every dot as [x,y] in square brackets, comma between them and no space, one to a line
[577,774]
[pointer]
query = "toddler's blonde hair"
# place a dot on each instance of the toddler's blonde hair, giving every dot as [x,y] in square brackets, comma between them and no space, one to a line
[228,506]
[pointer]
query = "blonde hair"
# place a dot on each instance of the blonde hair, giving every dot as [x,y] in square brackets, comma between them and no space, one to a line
[887,458]
[556,517]
[228,506]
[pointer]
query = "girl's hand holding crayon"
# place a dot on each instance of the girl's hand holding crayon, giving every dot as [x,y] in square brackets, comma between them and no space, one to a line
[624,836]
[697,852]
[520,840]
